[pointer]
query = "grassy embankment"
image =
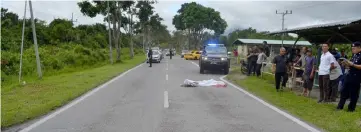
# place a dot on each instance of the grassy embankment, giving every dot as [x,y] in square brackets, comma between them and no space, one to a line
[323,116]
[23,102]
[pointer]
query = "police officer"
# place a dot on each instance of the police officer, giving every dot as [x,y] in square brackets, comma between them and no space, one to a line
[150,57]
[352,80]
[170,53]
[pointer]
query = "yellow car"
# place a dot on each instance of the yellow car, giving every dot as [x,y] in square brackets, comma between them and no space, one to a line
[194,55]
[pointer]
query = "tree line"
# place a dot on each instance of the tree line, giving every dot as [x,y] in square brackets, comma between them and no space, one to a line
[63,46]
[198,25]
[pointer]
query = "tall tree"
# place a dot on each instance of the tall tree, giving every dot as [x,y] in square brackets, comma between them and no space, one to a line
[144,13]
[131,10]
[94,8]
[197,19]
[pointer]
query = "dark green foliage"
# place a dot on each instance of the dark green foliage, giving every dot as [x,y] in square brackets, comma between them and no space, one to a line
[196,19]
[61,46]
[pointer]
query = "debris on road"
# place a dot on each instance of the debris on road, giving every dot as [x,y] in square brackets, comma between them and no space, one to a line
[204,83]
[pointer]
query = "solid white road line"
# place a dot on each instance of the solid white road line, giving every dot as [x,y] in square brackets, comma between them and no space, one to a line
[166,102]
[294,119]
[166,77]
[76,101]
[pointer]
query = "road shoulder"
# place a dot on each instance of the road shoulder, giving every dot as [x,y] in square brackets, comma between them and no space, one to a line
[38,98]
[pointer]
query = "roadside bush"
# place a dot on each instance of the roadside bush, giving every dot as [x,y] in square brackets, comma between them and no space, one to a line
[55,59]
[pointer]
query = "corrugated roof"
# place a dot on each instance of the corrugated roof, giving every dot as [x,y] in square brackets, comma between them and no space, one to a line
[339,23]
[342,32]
[270,42]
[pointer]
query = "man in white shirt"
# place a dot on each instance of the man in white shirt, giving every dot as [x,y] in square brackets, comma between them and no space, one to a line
[327,63]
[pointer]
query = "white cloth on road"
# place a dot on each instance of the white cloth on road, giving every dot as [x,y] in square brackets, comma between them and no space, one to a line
[204,83]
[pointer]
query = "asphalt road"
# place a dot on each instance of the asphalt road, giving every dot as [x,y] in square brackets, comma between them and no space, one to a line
[137,102]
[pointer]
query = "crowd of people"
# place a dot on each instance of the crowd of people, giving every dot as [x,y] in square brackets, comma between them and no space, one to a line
[336,74]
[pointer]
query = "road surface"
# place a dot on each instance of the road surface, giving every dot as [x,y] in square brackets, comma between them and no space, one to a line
[151,100]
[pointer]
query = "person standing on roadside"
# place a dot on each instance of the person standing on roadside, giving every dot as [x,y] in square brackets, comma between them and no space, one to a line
[335,75]
[327,63]
[308,74]
[260,59]
[352,79]
[150,57]
[252,60]
[302,59]
[170,54]
[279,68]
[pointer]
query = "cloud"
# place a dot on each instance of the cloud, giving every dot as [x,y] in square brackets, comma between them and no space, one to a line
[238,14]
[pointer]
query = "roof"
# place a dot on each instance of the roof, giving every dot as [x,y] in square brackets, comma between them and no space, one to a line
[270,42]
[342,32]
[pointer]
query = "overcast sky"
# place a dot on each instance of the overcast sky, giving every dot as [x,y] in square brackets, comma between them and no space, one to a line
[238,14]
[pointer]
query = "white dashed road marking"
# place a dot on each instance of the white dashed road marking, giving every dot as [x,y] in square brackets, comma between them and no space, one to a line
[166,102]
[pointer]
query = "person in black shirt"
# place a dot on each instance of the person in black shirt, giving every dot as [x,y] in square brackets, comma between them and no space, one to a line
[279,68]
[343,55]
[170,54]
[352,80]
[252,60]
[150,57]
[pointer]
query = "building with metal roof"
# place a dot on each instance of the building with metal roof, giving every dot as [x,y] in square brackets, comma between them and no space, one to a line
[270,42]
[342,32]
[244,44]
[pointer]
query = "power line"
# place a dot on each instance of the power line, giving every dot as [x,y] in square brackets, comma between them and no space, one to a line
[283,20]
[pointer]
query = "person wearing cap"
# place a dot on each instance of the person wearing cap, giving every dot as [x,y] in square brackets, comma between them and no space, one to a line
[308,74]
[352,80]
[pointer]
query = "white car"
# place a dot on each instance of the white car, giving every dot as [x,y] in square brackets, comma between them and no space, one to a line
[156,57]
[184,52]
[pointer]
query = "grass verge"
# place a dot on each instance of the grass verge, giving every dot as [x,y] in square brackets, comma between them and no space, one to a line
[36,98]
[323,116]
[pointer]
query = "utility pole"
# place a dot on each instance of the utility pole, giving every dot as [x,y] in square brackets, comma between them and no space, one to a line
[22,43]
[110,37]
[283,21]
[72,18]
[35,41]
